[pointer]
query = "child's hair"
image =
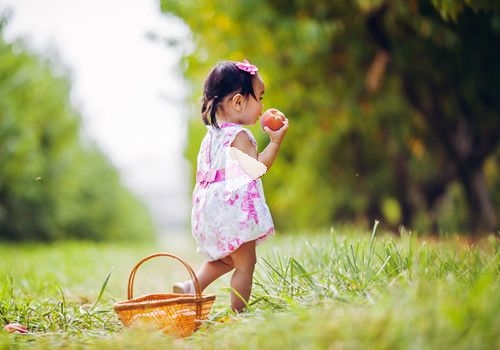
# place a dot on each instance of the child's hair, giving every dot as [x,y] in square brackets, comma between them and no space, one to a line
[224,79]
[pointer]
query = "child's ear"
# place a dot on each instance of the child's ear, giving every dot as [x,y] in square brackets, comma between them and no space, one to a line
[237,102]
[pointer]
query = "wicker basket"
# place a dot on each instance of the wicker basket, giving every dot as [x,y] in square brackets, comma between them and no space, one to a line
[178,315]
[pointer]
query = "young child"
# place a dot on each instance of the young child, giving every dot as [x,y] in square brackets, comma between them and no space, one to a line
[228,221]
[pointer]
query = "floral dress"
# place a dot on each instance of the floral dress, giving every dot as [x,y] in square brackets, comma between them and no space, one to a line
[229,207]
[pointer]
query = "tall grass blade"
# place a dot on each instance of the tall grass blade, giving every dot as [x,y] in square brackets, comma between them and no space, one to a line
[372,245]
[103,288]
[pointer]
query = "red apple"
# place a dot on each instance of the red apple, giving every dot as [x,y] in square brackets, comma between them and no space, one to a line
[272,118]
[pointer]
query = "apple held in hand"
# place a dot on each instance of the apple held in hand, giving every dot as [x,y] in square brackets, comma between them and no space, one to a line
[272,118]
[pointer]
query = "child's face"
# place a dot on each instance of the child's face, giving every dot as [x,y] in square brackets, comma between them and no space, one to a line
[253,105]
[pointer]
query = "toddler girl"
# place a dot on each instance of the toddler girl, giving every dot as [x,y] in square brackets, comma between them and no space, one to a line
[228,216]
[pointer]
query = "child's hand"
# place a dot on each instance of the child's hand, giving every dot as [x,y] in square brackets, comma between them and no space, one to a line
[278,135]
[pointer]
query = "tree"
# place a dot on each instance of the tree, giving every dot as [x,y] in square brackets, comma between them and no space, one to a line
[393,105]
[54,184]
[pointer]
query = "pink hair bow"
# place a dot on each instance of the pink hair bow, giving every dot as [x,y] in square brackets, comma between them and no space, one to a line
[247,67]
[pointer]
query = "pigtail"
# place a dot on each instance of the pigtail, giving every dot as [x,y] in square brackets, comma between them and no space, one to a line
[213,110]
[204,112]
[209,111]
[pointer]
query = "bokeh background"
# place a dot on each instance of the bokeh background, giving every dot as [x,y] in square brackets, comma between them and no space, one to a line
[394,110]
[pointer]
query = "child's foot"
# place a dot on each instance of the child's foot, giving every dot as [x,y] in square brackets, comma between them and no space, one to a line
[186,287]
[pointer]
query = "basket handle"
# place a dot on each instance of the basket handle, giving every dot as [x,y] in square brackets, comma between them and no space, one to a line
[149,257]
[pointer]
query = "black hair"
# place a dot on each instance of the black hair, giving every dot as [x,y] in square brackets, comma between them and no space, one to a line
[223,80]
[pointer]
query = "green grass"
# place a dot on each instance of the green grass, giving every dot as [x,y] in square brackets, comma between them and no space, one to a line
[315,290]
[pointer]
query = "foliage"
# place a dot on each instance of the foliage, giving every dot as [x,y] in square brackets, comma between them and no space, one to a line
[393,105]
[314,290]
[54,184]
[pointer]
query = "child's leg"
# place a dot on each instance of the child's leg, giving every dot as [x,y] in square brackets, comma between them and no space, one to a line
[244,260]
[212,270]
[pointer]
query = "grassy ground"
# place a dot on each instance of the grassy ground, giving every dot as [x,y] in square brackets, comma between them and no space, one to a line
[328,290]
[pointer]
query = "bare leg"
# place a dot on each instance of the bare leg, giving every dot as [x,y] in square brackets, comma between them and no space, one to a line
[244,259]
[212,270]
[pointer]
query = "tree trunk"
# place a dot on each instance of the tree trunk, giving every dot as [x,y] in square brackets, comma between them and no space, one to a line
[482,214]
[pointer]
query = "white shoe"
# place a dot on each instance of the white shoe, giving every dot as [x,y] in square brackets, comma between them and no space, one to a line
[186,287]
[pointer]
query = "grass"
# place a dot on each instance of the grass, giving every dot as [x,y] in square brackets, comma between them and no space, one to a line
[326,290]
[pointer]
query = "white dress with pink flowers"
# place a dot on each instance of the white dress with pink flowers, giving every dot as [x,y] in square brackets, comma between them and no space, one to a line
[225,215]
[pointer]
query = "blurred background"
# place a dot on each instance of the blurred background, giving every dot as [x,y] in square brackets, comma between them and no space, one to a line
[126,91]
[394,109]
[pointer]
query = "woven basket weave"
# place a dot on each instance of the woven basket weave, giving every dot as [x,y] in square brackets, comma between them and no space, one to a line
[178,315]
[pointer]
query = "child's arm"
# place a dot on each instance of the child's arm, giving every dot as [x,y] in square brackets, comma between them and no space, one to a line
[268,155]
